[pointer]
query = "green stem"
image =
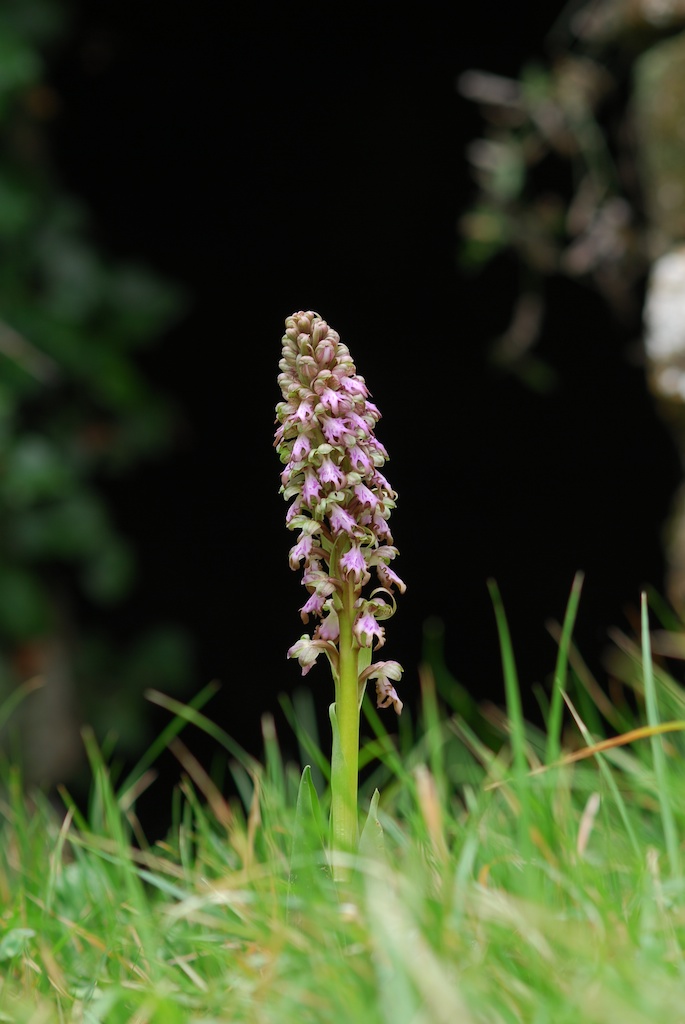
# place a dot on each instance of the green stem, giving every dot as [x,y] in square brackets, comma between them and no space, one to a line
[345,762]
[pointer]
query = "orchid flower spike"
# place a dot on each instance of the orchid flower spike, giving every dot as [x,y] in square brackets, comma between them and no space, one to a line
[340,501]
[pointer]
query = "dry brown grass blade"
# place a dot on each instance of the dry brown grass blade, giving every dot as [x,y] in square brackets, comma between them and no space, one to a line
[642,733]
[219,806]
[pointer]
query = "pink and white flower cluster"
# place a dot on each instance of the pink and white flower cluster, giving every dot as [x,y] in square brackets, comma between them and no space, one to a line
[341,502]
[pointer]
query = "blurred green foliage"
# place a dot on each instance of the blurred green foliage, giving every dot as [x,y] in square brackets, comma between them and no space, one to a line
[75,409]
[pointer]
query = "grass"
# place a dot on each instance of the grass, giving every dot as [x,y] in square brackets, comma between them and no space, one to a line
[522,873]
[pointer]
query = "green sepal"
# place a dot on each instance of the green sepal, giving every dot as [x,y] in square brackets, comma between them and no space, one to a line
[372,840]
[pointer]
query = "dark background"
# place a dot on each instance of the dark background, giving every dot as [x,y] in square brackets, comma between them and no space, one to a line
[311,156]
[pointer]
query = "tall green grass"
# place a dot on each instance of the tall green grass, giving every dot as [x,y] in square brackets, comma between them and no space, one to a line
[510,872]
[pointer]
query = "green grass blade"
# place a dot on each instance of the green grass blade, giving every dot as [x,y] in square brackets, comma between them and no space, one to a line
[301,717]
[511,684]
[517,726]
[608,777]
[554,720]
[113,825]
[16,697]
[167,734]
[658,752]
[188,713]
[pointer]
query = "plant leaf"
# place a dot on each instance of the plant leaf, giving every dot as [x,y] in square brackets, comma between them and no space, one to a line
[372,842]
[307,858]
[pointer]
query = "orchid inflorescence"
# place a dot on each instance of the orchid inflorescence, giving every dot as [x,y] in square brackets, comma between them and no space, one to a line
[341,503]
